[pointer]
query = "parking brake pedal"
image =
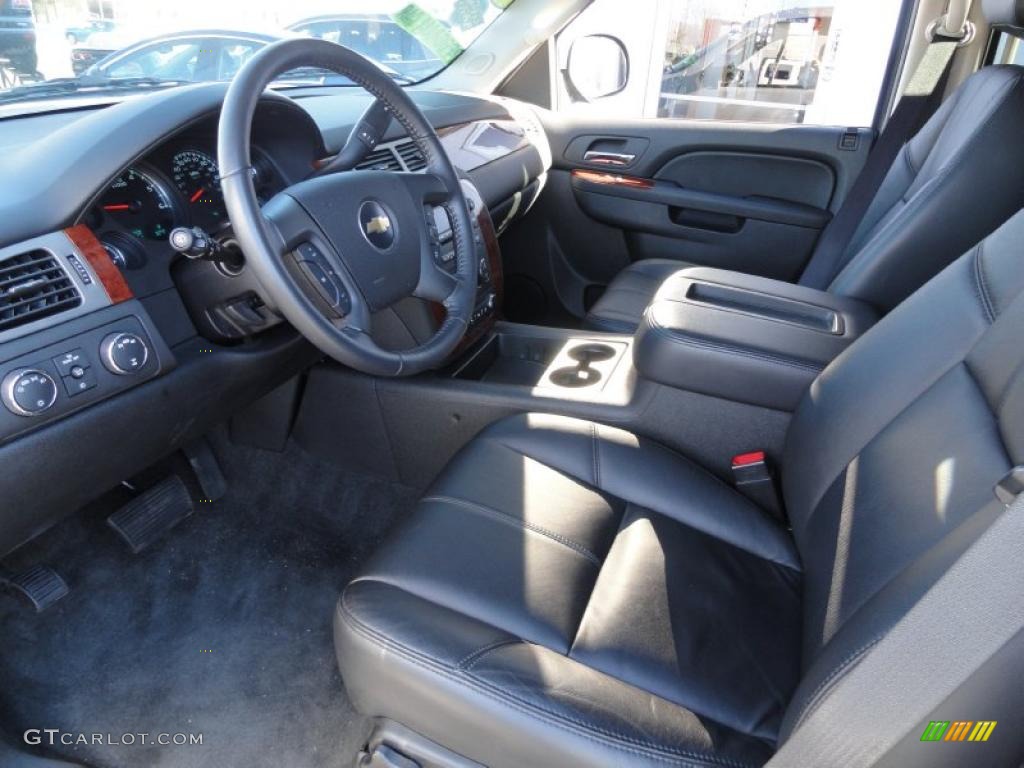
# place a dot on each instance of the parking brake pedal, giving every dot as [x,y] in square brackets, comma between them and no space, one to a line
[42,586]
[146,518]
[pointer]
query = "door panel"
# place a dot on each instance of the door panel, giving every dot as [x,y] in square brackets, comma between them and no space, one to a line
[749,197]
[755,174]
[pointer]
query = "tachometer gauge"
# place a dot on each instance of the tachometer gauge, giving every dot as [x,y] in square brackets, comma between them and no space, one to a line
[139,204]
[197,176]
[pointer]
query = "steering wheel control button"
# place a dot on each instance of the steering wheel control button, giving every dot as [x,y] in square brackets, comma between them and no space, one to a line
[28,392]
[81,380]
[321,275]
[124,353]
[70,360]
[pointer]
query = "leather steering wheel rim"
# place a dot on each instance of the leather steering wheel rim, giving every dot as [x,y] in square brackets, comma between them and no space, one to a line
[270,235]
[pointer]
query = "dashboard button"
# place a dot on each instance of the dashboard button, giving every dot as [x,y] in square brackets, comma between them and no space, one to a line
[76,385]
[28,392]
[69,360]
[124,353]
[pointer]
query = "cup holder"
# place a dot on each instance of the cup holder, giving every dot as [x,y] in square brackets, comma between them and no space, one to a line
[575,377]
[592,353]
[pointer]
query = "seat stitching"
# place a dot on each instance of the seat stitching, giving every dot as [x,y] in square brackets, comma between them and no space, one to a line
[730,350]
[933,185]
[909,160]
[622,314]
[508,519]
[982,286]
[653,282]
[470,659]
[589,731]
[610,325]
[654,445]
[849,660]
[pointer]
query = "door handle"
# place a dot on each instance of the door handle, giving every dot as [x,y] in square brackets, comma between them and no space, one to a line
[598,157]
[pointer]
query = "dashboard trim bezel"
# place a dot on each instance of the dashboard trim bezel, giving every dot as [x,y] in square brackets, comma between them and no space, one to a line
[109,276]
[60,246]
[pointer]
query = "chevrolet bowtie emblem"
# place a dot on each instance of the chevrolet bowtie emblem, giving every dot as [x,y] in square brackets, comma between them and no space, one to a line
[378,225]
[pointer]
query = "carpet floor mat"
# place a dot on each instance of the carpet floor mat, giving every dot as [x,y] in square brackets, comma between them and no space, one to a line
[221,628]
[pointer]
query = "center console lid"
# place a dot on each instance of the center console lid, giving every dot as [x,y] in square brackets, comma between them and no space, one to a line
[744,338]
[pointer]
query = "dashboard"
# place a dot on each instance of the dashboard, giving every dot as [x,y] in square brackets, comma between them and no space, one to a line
[176,186]
[116,347]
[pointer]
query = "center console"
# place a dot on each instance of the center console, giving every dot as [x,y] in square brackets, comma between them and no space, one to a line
[716,369]
[744,338]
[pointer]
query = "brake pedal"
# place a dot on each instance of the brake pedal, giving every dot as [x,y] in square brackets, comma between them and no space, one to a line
[207,471]
[40,585]
[146,518]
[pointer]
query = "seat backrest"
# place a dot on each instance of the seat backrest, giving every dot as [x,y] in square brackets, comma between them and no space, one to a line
[958,179]
[893,455]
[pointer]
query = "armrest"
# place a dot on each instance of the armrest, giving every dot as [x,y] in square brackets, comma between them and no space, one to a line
[744,338]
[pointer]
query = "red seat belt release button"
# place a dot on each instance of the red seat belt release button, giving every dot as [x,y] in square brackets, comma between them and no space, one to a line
[753,477]
[746,459]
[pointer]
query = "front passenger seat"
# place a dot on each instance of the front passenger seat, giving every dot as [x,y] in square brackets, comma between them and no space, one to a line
[951,185]
[572,594]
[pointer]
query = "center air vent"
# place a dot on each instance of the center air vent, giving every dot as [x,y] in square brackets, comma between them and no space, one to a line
[404,156]
[382,159]
[33,285]
[411,155]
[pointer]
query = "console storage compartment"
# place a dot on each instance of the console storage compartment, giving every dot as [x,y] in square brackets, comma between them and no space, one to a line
[744,338]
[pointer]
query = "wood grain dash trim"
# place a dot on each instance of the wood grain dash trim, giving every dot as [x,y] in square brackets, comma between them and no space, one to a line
[106,270]
[612,179]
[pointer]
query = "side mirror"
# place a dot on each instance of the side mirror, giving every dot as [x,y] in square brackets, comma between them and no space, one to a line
[598,67]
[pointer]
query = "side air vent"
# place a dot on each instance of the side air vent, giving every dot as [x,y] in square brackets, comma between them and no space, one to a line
[411,155]
[33,285]
[382,159]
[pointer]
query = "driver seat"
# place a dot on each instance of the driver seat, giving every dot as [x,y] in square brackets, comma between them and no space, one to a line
[572,594]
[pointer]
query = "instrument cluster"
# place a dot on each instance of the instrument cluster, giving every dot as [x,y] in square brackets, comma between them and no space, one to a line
[176,186]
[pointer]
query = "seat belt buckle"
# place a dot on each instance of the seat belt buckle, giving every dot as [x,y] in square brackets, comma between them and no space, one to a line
[754,477]
[1011,486]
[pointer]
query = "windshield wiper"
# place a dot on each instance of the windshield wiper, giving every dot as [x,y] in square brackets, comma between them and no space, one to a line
[70,85]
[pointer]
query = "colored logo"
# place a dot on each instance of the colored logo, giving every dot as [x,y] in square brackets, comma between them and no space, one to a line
[958,730]
[377,225]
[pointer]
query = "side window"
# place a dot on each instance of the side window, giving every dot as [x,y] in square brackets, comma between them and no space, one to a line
[766,61]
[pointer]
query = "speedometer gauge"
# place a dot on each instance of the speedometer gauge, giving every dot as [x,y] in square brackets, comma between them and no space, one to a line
[197,176]
[138,203]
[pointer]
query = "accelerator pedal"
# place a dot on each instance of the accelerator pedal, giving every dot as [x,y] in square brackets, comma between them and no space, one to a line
[146,518]
[40,585]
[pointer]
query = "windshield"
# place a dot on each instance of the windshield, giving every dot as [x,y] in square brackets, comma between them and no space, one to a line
[49,50]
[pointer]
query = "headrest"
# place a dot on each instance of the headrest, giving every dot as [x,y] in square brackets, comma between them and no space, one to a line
[1007,15]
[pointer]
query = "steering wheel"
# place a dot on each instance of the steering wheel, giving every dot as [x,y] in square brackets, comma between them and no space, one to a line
[332,250]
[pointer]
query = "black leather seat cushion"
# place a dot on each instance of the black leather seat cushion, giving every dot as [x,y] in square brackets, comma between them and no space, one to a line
[571,594]
[623,302]
[569,589]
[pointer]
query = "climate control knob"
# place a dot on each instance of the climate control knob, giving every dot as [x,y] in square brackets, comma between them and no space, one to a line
[28,392]
[124,353]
